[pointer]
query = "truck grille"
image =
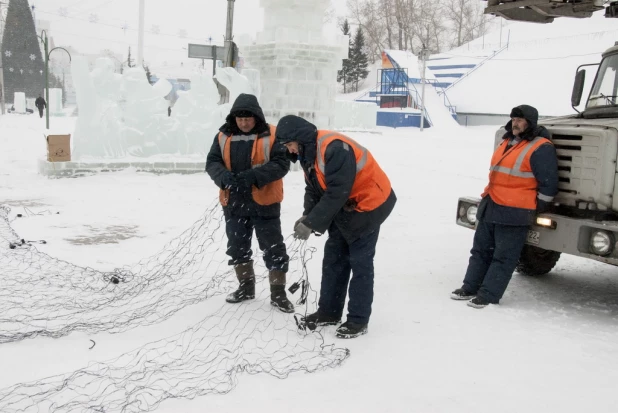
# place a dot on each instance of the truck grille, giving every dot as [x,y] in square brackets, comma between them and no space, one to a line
[566,146]
[586,165]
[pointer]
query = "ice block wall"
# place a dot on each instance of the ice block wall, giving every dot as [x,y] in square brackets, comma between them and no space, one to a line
[298,65]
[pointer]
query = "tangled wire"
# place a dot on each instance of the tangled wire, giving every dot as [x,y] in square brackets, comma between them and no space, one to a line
[44,296]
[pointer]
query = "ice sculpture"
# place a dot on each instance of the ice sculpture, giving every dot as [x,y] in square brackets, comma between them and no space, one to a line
[298,65]
[124,116]
[19,102]
[55,101]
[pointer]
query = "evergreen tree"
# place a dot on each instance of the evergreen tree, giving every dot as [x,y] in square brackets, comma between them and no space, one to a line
[345,74]
[22,59]
[359,58]
[129,60]
[148,74]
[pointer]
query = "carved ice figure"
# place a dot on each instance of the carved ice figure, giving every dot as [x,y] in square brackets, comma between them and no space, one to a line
[197,114]
[122,115]
[145,115]
[236,83]
[98,128]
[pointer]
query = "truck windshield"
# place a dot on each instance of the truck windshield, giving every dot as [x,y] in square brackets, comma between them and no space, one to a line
[605,89]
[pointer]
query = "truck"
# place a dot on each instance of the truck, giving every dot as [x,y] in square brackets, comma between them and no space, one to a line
[583,219]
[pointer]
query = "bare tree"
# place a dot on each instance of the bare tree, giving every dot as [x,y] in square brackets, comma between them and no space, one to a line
[410,24]
[364,13]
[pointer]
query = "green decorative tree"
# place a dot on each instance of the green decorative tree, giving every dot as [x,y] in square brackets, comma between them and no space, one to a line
[359,59]
[345,74]
[148,74]
[129,60]
[22,59]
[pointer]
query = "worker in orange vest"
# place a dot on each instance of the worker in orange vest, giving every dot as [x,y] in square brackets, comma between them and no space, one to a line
[348,194]
[248,165]
[523,180]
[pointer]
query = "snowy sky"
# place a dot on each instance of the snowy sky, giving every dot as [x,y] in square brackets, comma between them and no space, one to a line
[98,24]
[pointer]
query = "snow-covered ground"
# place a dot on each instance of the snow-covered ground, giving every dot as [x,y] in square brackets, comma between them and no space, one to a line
[550,346]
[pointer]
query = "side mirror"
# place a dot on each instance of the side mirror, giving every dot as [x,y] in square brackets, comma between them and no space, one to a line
[578,88]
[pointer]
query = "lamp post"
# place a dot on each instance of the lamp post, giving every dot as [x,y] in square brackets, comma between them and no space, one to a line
[424,53]
[140,35]
[2,105]
[44,40]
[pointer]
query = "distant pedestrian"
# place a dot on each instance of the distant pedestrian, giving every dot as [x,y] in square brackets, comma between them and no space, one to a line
[40,104]
[169,111]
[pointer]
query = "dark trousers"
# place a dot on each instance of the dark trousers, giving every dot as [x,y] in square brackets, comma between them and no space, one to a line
[341,258]
[493,259]
[268,232]
[41,112]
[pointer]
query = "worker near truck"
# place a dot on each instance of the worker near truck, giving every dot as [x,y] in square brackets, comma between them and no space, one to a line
[523,180]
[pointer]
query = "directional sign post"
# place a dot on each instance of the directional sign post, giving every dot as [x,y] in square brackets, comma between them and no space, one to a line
[204,51]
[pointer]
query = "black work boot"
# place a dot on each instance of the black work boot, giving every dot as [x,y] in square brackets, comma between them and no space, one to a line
[279,299]
[246,278]
[351,330]
[461,294]
[317,319]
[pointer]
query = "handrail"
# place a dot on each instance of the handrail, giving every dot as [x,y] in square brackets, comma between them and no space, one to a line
[441,91]
[481,63]
[418,99]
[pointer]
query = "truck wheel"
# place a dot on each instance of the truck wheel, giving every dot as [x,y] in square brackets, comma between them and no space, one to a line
[535,261]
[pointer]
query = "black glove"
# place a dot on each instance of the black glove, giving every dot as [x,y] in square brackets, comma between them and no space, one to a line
[228,180]
[246,179]
[301,231]
[542,206]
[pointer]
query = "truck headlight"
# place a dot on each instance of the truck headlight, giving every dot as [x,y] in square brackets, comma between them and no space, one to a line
[602,242]
[471,214]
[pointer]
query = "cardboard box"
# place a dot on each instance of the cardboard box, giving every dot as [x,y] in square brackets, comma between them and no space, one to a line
[59,148]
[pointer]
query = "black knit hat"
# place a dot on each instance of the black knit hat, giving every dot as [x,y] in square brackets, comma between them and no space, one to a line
[243,114]
[526,112]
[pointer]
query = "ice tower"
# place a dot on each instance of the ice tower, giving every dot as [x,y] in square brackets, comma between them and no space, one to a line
[298,65]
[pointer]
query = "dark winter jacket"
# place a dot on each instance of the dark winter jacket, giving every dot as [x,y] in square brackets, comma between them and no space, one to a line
[323,207]
[544,163]
[241,201]
[40,103]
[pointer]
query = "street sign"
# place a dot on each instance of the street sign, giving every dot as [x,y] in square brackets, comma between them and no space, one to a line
[203,51]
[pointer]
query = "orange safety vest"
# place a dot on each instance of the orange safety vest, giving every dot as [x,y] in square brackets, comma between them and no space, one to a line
[269,194]
[371,186]
[511,181]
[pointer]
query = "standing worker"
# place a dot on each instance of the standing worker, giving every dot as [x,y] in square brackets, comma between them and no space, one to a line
[523,180]
[248,165]
[348,194]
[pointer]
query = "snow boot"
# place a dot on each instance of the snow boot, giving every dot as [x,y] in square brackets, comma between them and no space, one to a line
[246,278]
[478,302]
[316,320]
[461,294]
[351,330]
[279,299]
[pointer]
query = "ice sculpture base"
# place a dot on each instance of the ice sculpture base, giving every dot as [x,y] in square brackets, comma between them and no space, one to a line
[80,168]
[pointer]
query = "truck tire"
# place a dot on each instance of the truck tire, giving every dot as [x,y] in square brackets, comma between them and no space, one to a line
[535,261]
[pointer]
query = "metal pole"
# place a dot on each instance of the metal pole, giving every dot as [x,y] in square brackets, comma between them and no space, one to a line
[214,60]
[423,56]
[228,34]
[2,107]
[2,104]
[140,35]
[46,82]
